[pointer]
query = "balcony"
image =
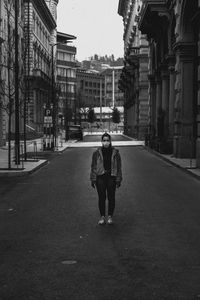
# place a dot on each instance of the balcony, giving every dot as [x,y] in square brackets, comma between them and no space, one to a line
[40,78]
[71,64]
[39,73]
[71,49]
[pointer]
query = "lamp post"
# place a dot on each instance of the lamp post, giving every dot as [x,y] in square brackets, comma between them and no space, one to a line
[53,96]
[27,93]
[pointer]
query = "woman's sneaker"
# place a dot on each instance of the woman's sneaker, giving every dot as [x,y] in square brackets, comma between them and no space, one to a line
[110,220]
[102,221]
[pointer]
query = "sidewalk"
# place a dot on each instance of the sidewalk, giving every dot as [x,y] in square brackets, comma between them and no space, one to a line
[186,164]
[30,165]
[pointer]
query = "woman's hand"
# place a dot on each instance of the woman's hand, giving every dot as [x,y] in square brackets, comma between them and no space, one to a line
[93,184]
[118,184]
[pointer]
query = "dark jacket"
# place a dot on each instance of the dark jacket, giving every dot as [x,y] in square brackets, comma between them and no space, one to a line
[97,166]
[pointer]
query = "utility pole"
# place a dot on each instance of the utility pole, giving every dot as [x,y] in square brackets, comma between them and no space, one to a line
[53,98]
[17,139]
[101,100]
[52,95]
[66,111]
[113,87]
[105,86]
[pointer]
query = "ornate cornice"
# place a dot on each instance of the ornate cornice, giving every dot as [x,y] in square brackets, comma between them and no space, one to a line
[44,12]
[152,10]
[122,7]
[186,50]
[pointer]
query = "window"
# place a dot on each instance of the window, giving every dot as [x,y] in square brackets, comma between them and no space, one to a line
[34,22]
[60,55]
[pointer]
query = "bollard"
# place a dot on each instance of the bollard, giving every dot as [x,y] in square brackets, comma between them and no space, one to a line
[35,150]
[22,151]
[61,142]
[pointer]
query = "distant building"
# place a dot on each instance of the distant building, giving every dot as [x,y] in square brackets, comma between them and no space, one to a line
[66,78]
[90,88]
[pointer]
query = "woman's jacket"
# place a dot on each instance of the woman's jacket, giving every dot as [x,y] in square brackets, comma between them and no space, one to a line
[97,166]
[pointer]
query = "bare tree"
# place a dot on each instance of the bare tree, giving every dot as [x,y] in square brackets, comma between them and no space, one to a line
[8,66]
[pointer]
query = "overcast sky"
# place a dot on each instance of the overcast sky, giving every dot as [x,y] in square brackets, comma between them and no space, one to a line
[95,23]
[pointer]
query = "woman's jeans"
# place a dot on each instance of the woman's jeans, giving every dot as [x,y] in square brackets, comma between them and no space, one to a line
[106,186]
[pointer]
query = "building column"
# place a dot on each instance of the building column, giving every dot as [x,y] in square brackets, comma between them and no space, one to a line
[1,127]
[152,105]
[171,100]
[158,98]
[184,100]
[165,101]
[198,110]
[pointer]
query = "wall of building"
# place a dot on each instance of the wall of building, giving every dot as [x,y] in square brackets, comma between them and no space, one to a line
[134,78]
[40,59]
[173,77]
[89,87]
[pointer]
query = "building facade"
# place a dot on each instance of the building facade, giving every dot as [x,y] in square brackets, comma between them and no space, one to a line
[90,88]
[134,78]
[40,39]
[36,37]
[66,79]
[173,28]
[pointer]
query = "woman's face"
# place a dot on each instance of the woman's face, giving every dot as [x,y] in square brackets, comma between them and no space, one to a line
[106,142]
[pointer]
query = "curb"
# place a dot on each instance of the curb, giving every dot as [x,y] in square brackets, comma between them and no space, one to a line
[128,137]
[44,163]
[186,170]
[21,173]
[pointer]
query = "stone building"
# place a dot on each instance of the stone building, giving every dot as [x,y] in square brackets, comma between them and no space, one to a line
[40,40]
[134,80]
[173,31]
[66,78]
[36,37]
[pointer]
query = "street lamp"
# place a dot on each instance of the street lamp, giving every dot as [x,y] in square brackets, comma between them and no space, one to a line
[53,96]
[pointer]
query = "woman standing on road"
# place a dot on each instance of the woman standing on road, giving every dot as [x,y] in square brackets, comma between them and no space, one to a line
[106,175]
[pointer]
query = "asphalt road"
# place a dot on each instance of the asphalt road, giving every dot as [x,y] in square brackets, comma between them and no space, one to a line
[52,248]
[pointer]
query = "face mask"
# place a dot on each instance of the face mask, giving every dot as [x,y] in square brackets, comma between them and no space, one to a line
[106,144]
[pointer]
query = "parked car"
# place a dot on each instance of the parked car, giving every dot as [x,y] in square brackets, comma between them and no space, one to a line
[75,132]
